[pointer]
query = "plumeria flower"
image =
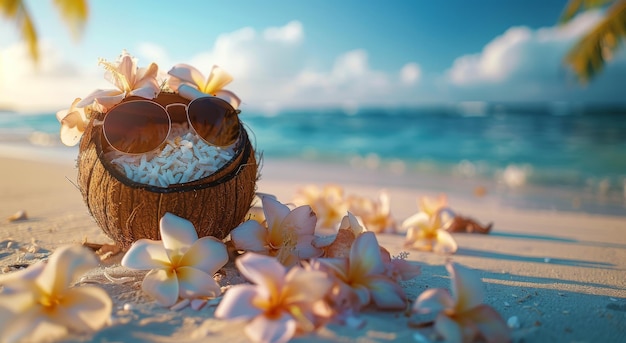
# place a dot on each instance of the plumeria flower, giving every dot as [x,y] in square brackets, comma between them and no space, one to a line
[375,214]
[39,303]
[432,206]
[279,304]
[428,233]
[184,74]
[73,123]
[181,266]
[364,272]
[461,316]
[328,203]
[288,236]
[129,80]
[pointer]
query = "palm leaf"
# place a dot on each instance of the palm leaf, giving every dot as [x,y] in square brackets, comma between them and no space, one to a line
[16,10]
[588,56]
[574,7]
[74,14]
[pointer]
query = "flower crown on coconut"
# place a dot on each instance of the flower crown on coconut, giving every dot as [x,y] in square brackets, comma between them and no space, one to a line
[210,184]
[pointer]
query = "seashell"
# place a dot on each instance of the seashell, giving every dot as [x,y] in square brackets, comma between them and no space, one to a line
[17,216]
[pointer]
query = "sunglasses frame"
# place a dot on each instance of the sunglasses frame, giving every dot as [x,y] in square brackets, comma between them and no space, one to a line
[187,106]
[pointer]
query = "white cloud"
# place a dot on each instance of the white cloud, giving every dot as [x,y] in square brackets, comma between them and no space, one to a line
[290,33]
[410,73]
[50,85]
[524,64]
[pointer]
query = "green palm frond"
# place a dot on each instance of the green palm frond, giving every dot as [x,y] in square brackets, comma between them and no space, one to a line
[574,7]
[588,57]
[16,10]
[73,12]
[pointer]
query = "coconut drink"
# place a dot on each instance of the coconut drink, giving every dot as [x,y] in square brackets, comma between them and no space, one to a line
[150,148]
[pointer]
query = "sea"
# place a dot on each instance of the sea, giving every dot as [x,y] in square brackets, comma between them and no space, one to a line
[546,155]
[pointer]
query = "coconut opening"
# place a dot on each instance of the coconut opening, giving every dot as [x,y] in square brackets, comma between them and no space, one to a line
[183,158]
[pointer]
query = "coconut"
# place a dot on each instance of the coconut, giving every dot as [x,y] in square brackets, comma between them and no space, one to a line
[127,210]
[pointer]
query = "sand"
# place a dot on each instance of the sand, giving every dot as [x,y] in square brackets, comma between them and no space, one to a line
[560,275]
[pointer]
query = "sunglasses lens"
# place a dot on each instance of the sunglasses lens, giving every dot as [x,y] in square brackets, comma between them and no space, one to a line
[136,127]
[214,120]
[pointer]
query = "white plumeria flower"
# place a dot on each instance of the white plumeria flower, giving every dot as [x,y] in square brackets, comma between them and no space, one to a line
[73,123]
[39,304]
[181,266]
[129,80]
[190,83]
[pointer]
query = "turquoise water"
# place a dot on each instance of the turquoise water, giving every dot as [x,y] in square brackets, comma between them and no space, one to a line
[579,149]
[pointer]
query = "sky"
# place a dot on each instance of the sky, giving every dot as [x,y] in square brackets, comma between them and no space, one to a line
[302,54]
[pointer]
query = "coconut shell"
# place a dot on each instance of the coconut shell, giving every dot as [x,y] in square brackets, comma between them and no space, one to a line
[127,210]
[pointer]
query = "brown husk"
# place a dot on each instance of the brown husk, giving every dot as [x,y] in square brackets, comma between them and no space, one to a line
[127,211]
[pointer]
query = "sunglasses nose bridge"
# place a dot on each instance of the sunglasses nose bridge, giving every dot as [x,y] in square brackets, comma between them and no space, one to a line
[178,112]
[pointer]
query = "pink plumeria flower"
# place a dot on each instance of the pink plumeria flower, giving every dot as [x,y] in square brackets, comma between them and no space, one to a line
[428,233]
[375,214]
[39,303]
[279,304]
[181,266]
[288,236]
[190,83]
[128,79]
[462,316]
[365,273]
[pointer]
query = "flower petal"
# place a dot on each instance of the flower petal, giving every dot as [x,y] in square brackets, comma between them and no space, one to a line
[305,249]
[250,236]
[72,128]
[145,92]
[386,293]
[467,288]
[275,212]
[218,78]
[301,220]
[146,254]
[229,97]
[365,258]
[419,218]
[238,303]
[23,325]
[207,254]
[84,309]
[448,329]
[178,234]
[106,97]
[162,285]
[187,73]
[263,329]
[490,324]
[65,265]
[432,301]
[262,270]
[306,286]
[194,283]
[339,266]
[445,243]
[363,293]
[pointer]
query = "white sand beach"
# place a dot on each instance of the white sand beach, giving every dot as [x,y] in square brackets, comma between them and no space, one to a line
[555,276]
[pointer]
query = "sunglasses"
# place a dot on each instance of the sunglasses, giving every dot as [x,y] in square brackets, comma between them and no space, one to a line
[141,126]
